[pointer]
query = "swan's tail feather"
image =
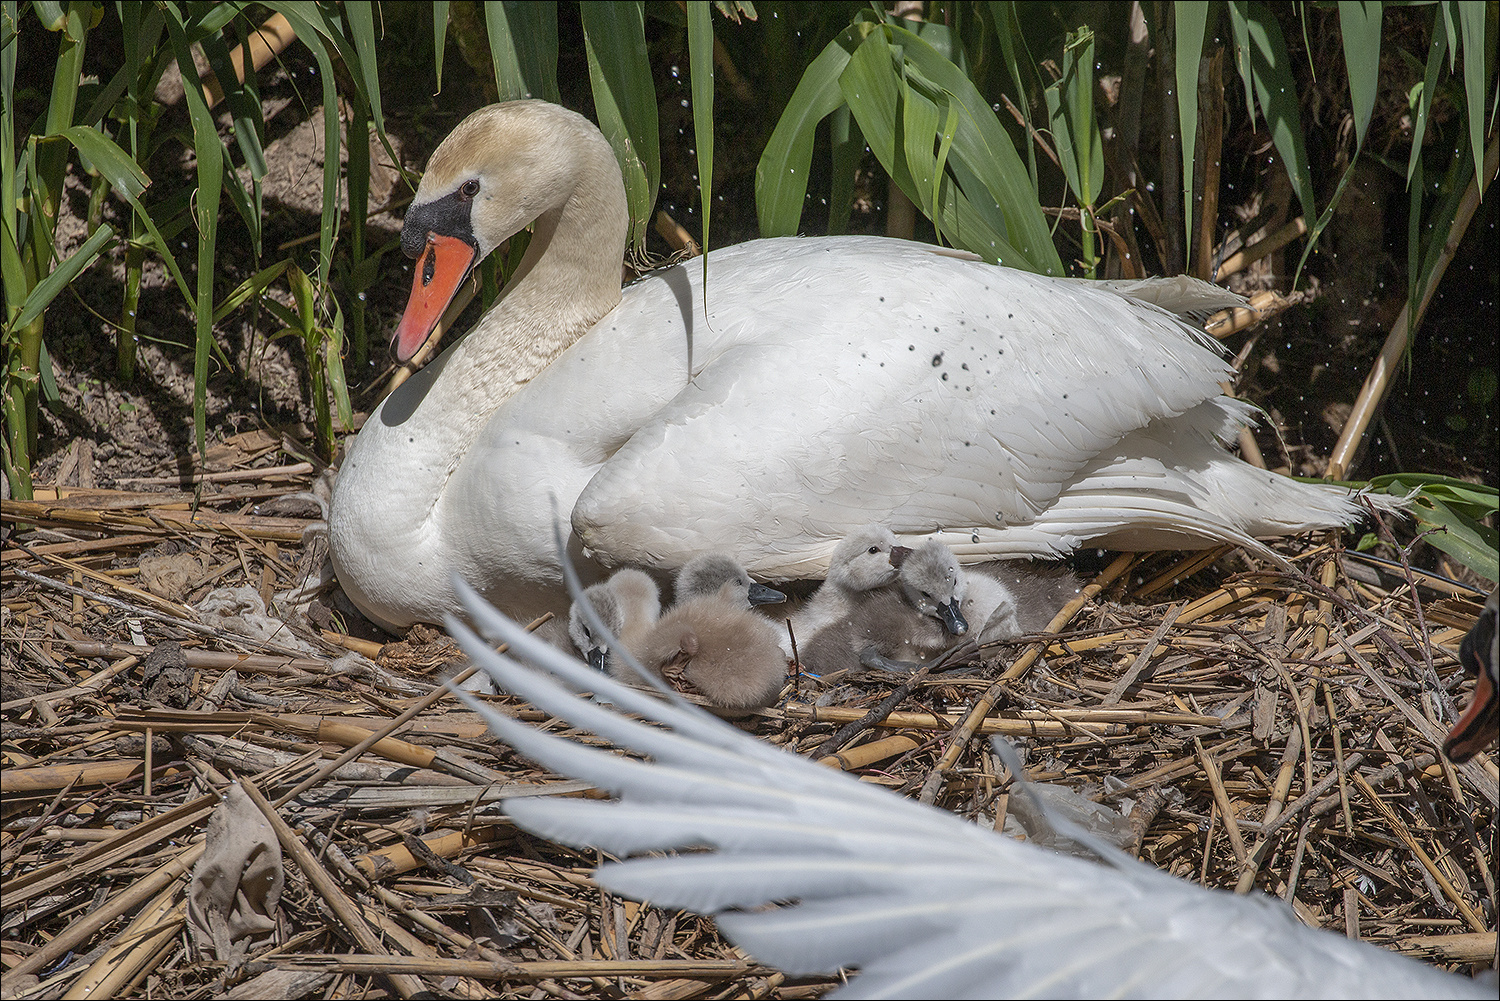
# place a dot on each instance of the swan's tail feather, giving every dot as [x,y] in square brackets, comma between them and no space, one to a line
[1167,495]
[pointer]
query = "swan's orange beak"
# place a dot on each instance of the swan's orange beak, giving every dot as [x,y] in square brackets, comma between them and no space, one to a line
[442,268]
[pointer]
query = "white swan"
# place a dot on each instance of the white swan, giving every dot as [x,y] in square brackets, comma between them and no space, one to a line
[828,383]
[928,906]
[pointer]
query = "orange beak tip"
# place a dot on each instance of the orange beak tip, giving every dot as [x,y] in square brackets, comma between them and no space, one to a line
[442,267]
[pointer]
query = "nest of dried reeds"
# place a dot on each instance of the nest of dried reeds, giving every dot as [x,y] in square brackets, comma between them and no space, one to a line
[1275,725]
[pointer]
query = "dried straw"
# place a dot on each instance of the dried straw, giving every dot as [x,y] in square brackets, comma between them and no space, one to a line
[1276,728]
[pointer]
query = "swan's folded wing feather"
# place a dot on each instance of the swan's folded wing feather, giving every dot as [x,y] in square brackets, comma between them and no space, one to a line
[973,409]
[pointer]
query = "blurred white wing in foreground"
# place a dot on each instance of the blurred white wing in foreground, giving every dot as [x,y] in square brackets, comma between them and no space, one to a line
[922,903]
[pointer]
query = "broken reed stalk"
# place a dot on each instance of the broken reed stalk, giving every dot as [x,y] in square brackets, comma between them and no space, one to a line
[1372,394]
[962,733]
[136,950]
[380,734]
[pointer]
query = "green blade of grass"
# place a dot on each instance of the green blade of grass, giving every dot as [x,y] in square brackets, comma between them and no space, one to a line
[1471,18]
[209,151]
[781,175]
[984,146]
[1270,79]
[625,99]
[67,269]
[700,32]
[523,48]
[1193,20]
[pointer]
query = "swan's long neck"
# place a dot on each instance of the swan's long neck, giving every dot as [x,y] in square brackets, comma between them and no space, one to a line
[389,503]
[568,278]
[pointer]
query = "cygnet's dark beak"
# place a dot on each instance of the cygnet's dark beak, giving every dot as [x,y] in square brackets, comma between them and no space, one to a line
[899,555]
[953,619]
[762,595]
[596,657]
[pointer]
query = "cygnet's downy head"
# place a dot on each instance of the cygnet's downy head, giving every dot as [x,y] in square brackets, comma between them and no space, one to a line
[627,604]
[589,641]
[715,573]
[865,560]
[932,582]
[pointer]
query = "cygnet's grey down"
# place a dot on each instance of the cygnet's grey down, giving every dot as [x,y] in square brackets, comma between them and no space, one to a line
[1007,599]
[710,642]
[922,903]
[708,573]
[861,563]
[897,628]
[628,604]
[935,585]
[730,656]
[892,627]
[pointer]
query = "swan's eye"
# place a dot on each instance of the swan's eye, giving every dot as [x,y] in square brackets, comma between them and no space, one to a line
[469,189]
[874,550]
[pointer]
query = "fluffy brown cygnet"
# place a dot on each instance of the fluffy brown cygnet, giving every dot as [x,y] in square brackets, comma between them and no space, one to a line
[709,645]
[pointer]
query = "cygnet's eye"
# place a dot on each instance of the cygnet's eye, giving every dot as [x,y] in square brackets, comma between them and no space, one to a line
[469,189]
[873,550]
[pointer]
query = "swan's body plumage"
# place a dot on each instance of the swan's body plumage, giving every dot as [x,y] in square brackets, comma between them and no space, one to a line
[925,904]
[816,385]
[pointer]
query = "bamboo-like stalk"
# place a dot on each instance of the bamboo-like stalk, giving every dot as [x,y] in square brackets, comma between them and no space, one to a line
[407,985]
[1268,244]
[1377,383]
[1221,797]
[265,43]
[867,754]
[83,929]
[160,520]
[139,947]
[354,963]
[1009,726]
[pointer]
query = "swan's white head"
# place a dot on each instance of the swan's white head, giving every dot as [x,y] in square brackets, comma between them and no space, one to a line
[502,168]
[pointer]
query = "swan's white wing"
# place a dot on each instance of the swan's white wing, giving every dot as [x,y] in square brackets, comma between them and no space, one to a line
[837,382]
[923,903]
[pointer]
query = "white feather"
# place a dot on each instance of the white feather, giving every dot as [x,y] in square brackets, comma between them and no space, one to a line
[924,904]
